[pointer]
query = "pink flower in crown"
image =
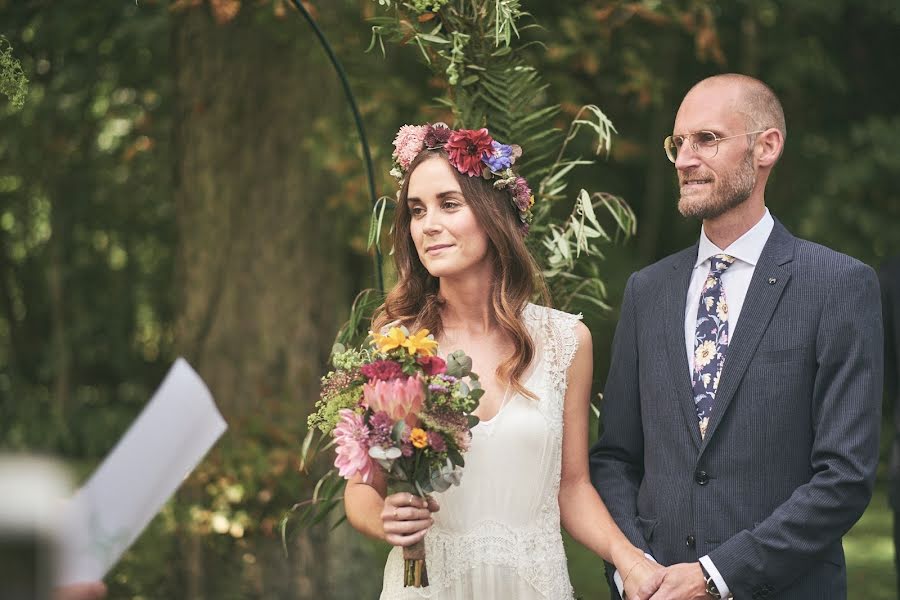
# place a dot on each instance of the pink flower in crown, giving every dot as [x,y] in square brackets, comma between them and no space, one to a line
[400,398]
[409,142]
[522,194]
[351,436]
[467,148]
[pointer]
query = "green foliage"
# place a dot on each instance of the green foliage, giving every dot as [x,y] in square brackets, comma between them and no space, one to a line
[492,82]
[13,83]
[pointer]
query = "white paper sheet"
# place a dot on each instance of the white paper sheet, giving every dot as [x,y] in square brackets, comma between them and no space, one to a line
[163,445]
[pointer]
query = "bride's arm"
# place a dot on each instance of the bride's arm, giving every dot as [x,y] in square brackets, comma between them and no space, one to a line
[583,513]
[399,519]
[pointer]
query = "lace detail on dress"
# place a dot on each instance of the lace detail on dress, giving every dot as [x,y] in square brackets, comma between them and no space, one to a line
[536,554]
[554,335]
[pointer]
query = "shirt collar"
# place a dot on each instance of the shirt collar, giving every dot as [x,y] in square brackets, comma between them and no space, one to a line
[746,248]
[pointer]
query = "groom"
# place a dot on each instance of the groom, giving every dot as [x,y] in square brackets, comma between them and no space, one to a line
[744,397]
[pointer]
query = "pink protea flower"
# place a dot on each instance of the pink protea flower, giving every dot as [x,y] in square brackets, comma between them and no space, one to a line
[467,148]
[351,436]
[409,142]
[401,399]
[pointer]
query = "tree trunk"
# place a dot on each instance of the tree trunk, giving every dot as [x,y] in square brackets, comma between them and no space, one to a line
[261,275]
[657,196]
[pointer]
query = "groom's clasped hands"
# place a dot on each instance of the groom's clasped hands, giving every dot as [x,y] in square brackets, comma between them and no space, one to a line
[651,581]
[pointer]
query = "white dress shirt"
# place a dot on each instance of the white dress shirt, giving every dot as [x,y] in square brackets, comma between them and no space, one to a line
[735,281]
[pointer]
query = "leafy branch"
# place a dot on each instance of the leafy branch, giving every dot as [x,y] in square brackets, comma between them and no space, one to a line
[474,45]
[13,83]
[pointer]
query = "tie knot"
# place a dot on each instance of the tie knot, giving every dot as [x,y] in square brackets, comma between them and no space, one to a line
[719,263]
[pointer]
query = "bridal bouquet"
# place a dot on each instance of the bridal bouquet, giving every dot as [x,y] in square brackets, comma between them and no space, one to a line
[395,405]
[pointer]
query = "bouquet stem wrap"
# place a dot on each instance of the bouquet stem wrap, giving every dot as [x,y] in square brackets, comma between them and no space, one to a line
[415,574]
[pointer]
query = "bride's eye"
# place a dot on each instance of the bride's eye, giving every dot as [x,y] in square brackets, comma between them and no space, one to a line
[450,205]
[417,211]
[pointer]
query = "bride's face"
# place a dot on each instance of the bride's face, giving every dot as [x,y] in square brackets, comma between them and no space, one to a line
[448,238]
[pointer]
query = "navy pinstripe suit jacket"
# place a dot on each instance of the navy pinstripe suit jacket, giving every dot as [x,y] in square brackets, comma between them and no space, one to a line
[890,299]
[788,462]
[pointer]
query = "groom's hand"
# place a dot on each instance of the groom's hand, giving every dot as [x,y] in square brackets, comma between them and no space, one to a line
[683,581]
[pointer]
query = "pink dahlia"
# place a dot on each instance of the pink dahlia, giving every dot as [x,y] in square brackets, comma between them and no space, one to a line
[351,436]
[467,149]
[409,142]
[399,398]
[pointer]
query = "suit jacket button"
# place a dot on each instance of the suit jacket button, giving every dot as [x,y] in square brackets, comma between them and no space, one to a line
[701,477]
[689,541]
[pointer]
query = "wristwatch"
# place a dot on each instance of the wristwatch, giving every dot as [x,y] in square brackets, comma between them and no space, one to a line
[711,588]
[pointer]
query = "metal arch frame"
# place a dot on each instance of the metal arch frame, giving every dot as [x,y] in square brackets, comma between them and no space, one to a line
[367,156]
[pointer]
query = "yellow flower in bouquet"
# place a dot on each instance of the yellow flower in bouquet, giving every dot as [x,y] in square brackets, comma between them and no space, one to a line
[395,338]
[418,437]
[420,343]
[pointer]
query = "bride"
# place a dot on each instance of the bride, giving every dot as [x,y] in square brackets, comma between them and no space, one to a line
[465,274]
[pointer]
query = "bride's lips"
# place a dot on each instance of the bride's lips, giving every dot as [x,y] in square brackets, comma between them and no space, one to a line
[436,248]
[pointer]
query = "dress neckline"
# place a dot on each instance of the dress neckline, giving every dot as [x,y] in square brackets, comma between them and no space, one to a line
[514,395]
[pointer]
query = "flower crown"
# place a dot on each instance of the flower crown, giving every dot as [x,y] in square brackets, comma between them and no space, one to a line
[474,153]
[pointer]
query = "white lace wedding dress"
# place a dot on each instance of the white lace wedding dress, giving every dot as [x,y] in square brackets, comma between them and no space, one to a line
[497,534]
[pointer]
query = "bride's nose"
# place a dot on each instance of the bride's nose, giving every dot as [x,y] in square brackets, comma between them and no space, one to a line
[432,224]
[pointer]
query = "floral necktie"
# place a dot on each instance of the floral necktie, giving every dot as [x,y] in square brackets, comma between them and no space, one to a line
[710,339]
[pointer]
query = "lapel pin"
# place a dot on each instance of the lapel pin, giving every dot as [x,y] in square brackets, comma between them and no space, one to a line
[772,281]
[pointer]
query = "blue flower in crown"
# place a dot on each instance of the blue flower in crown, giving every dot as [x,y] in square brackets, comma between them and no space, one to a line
[501,158]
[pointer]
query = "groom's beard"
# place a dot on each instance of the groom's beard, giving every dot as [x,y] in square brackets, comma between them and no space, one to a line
[729,190]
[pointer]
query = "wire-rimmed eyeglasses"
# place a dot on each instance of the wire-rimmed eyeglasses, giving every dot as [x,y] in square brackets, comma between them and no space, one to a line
[704,143]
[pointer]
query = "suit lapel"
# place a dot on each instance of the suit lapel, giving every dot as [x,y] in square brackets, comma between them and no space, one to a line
[766,286]
[676,297]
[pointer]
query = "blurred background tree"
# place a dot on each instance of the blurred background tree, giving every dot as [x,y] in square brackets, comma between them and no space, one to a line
[183,178]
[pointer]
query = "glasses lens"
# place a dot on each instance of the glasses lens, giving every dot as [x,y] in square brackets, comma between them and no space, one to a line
[671,148]
[706,143]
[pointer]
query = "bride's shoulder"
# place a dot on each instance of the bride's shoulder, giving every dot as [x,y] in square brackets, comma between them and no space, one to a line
[537,312]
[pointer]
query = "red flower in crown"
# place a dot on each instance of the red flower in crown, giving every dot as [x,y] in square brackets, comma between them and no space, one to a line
[467,148]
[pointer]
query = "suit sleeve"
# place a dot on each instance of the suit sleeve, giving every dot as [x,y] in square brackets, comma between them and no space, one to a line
[846,418]
[616,460]
[890,301]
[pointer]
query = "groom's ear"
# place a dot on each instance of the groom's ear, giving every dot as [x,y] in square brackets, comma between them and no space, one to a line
[768,147]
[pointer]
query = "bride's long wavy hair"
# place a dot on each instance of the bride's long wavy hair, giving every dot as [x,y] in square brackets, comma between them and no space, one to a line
[415,300]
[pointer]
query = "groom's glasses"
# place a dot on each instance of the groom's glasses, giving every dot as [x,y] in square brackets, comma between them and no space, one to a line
[704,143]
